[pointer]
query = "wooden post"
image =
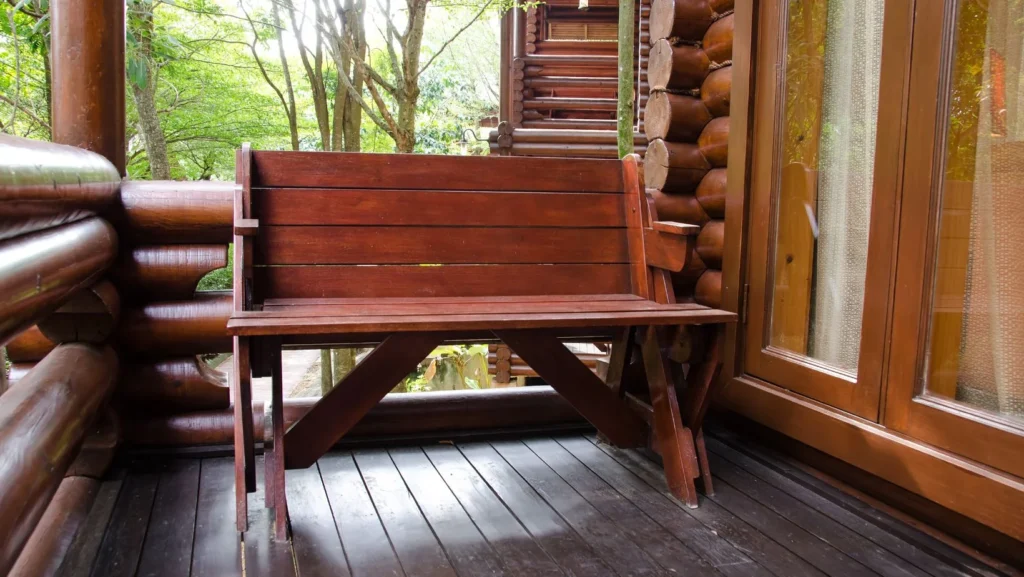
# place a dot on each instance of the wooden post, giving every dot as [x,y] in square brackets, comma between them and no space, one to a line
[627,9]
[87,47]
[326,374]
[505,63]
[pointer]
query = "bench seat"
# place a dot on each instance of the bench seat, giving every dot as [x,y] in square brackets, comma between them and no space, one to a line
[347,316]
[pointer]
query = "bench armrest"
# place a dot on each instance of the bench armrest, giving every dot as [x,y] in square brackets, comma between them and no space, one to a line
[246,226]
[670,250]
[671,227]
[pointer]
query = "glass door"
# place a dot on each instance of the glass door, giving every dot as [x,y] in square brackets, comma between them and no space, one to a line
[958,332]
[828,137]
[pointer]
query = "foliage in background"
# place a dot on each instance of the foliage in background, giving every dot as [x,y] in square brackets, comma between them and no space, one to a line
[449,368]
[198,75]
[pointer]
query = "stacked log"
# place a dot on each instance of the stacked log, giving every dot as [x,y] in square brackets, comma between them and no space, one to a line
[175,233]
[172,234]
[686,121]
[54,250]
[564,142]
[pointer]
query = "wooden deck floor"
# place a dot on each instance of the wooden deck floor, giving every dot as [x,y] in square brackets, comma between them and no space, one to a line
[536,506]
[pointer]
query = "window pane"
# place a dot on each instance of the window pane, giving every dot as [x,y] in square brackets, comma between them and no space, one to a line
[976,350]
[825,171]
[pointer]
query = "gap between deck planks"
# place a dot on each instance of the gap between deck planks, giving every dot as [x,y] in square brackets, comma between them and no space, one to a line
[538,506]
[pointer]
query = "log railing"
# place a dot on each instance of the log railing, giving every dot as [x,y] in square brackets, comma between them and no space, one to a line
[55,248]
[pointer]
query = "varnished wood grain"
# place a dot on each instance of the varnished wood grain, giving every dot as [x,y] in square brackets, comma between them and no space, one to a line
[319,245]
[391,171]
[397,207]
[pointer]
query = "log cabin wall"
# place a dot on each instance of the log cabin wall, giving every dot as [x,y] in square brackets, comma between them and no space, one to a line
[561,85]
[686,122]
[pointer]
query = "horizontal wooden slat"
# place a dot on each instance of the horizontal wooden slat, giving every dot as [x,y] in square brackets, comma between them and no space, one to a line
[438,245]
[281,302]
[440,281]
[256,323]
[413,171]
[282,206]
[457,308]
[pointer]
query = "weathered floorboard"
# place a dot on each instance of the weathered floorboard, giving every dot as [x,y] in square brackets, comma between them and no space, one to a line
[168,546]
[414,541]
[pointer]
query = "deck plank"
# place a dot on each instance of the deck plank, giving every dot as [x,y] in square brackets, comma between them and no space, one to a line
[914,545]
[122,543]
[315,539]
[758,546]
[86,547]
[415,543]
[606,538]
[521,555]
[167,550]
[264,556]
[469,552]
[715,548]
[550,531]
[538,506]
[848,542]
[921,562]
[218,548]
[667,551]
[369,550]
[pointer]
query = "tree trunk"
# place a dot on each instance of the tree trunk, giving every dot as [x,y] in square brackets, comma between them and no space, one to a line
[293,124]
[326,374]
[627,11]
[145,100]
[152,135]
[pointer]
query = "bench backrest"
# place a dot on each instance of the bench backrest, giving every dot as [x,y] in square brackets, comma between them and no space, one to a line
[352,225]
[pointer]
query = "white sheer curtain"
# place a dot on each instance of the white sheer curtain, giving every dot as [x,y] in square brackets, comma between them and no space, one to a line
[992,337]
[853,53]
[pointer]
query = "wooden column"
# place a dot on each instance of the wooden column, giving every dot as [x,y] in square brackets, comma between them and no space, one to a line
[87,48]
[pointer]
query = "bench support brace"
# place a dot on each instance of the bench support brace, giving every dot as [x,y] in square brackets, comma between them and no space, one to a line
[339,410]
[583,389]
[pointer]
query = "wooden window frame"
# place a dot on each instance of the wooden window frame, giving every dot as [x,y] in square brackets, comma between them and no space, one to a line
[959,428]
[860,396]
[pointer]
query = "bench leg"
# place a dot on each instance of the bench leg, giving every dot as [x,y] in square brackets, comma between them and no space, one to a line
[705,468]
[245,457]
[622,353]
[276,480]
[700,380]
[584,390]
[675,441]
[340,409]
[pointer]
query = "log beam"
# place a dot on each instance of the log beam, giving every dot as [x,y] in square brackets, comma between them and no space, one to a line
[39,271]
[44,185]
[42,423]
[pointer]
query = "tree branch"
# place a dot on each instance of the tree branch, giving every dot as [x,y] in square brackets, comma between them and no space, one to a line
[454,36]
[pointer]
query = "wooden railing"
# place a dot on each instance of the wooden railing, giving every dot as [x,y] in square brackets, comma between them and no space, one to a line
[54,249]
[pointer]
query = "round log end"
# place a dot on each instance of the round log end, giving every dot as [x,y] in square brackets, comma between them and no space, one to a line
[714,141]
[711,192]
[718,40]
[716,91]
[678,207]
[685,19]
[89,316]
[674,167]
[674,117]
[711,243]
[708,291]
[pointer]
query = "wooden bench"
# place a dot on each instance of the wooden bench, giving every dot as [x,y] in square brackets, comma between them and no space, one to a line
[408,251]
